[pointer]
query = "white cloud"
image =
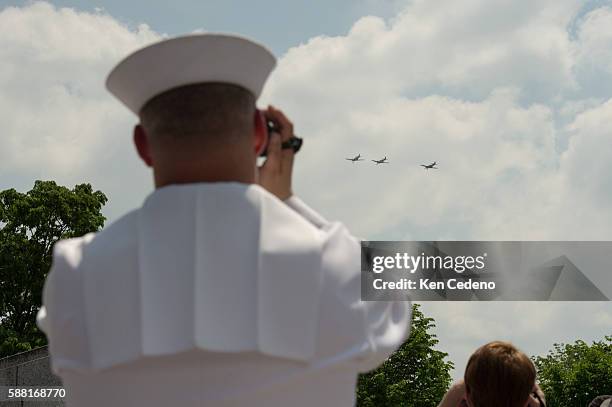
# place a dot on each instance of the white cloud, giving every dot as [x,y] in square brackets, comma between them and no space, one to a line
[487,144]
[514,109]
[461,47]
[58,122]
[587,164]
[532,326]
[505,100]
[485,91]
[594,37]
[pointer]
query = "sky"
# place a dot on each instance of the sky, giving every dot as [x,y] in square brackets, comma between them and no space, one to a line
[512,98]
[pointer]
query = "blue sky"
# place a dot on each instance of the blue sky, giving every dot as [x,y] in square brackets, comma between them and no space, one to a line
[279,24]
[512,99]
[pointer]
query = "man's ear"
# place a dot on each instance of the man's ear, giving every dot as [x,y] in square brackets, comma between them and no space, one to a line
[141,141]
[260,132]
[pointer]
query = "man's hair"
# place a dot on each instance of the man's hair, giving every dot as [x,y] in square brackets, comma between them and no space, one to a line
[500,375]
[208,113]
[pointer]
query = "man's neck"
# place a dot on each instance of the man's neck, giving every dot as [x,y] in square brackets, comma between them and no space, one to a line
[228,169]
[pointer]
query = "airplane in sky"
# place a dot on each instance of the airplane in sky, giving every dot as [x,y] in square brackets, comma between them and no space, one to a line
[381,161]
[430,166]
[356,158]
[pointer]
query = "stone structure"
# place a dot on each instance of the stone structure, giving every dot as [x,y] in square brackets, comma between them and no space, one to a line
[28,369]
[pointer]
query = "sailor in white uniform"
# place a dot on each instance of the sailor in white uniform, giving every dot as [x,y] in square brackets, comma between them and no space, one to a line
[224,288]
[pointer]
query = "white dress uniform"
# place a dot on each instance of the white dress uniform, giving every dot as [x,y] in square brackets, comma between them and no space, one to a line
[212,294]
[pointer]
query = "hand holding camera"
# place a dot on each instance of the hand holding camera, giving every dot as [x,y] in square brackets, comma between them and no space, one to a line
[275,174]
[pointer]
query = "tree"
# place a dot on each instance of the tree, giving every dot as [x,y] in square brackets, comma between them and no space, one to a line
[574,374]
[416,375]
[30,224]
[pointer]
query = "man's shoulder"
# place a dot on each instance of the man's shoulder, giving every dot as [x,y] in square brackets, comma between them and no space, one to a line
[302,223]
[278,215]
[118,236]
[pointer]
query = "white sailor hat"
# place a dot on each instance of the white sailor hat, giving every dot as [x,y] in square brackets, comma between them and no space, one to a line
[189,59]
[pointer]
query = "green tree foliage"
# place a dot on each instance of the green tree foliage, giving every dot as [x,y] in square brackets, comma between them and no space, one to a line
[30,224]
[572,375]
[416,375]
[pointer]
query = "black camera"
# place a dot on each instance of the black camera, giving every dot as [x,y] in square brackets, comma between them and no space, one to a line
[294,142]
